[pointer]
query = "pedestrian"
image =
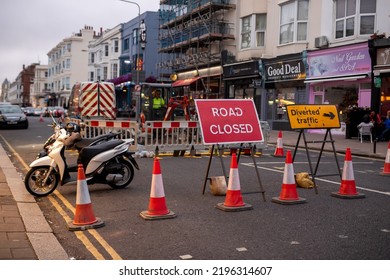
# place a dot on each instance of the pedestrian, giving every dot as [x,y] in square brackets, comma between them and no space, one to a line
[375,119]
[365,125]
[386,131]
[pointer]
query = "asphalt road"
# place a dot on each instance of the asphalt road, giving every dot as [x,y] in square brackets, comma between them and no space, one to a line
[323,228]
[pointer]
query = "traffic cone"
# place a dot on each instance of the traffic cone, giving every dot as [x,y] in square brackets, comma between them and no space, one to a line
[279,152]
[289,194]
[41,118]
[386,168]
[348,186]
[157,205]
[84,217]
[233,199]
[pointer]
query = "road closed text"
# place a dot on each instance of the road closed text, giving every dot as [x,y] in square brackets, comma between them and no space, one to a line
[230,128]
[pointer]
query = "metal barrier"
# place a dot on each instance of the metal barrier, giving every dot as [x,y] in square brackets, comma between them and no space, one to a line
[158,136]
[172,136]
[127,129]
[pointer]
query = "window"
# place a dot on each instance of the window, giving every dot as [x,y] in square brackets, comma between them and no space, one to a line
[105,73]
[116,46]
[293,21]
[92,58]
[259,22]
[126,44]
[135,37]
[354,17]
[246,32]
[67,66]
[114,70]
[261,25]
[91,76]
[106,50]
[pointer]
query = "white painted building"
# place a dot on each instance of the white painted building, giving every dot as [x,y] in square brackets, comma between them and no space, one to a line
[103,55]
[39,88]
[68,64]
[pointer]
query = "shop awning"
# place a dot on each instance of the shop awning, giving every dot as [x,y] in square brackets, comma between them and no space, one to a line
[185,82]
[331,79]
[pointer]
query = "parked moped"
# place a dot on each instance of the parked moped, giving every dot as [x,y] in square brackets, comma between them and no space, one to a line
[106,160]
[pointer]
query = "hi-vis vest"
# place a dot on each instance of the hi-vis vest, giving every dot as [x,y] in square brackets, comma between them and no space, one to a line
[158,102]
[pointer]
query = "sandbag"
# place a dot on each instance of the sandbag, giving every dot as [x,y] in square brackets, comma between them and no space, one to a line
[218,185]
[303,180]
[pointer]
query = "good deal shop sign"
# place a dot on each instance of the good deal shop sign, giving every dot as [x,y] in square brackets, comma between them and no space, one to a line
[227,121]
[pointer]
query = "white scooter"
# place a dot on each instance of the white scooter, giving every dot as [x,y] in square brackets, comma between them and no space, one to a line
[105,160]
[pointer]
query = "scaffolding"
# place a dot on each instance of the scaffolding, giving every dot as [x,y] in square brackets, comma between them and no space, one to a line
[193,33]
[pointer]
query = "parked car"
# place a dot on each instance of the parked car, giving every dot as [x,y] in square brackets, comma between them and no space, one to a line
[38,112]
[29,111]
[12,116]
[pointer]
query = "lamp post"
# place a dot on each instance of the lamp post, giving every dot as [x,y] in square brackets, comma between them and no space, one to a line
[138,43]
[138,99]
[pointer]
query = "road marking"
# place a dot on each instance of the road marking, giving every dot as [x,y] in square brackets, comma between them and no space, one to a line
[317,179]
[241,249]
[186,257]
[80,235]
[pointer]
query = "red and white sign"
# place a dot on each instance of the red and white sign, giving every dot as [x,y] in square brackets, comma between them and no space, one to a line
[97,99]
[226,121]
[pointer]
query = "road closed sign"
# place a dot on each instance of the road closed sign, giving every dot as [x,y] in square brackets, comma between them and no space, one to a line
[313,116]
[227,121]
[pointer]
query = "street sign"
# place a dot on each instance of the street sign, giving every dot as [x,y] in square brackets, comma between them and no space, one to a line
[227,121]
[313,116]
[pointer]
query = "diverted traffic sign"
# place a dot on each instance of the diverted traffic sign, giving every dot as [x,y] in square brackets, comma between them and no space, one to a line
[226,121]
[313,116]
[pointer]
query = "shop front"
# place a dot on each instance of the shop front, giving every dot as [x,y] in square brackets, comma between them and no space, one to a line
[341,76]
[283,85]
[243,81]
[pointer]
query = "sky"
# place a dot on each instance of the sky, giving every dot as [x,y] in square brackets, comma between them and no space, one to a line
[29,29]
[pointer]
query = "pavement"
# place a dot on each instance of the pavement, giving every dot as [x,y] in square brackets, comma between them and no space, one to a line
[26,235]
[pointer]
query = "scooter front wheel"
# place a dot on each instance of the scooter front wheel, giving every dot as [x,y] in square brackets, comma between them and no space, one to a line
[35,181]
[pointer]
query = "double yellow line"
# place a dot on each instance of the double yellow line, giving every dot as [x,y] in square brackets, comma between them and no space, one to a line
[81,235]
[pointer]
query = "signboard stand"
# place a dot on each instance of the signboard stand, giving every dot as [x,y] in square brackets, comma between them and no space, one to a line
[314,173]
[229,122]
[221,149]
[314,117]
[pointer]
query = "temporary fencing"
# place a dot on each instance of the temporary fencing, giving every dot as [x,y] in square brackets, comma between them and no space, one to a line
[156,136]
[172,135]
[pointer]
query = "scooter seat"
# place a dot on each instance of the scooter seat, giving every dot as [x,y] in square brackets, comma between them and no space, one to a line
[94,141]
[87,153]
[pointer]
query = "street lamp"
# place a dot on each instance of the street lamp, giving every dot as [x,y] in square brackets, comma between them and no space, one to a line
[139,45]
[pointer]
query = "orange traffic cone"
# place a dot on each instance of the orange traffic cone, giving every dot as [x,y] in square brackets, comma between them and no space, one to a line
[157,205]
[386,168]
[279,152]
[348,186]
[84,217]
[233,199]
[289,194]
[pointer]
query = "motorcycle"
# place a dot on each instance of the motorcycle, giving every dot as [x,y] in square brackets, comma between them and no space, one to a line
[105,159]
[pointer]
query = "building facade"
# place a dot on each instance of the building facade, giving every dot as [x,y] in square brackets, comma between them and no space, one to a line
[4,90]
[68,64]
[40,86]
[103,55]
[285,40]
